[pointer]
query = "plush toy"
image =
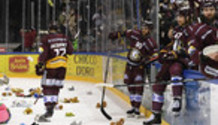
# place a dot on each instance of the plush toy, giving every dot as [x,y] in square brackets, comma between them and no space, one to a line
[4,113]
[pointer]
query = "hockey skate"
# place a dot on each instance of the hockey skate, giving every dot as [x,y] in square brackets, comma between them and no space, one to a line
[137,114]
[177,106]
[131,113]
[45,117]
[154,119]
[42,118]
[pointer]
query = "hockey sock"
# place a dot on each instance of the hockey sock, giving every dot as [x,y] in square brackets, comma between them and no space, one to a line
[177,86]
[132,100]
[138,100]
[157,102]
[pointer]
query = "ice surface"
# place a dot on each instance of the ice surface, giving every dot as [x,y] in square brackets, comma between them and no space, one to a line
[84,111]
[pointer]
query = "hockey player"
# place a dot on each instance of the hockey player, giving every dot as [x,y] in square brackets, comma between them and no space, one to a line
[142,46]
[174,60]
[52,65]
[206,34]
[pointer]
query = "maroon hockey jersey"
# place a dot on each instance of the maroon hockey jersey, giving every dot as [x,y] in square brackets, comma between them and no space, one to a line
[141,48]
[204,35]
[54,49]
[182,36]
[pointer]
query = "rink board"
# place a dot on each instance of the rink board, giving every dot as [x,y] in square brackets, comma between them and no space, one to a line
[80,66]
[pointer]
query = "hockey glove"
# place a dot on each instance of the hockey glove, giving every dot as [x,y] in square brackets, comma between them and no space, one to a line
[171,55]
[182,53]
[161,55]
[39,68]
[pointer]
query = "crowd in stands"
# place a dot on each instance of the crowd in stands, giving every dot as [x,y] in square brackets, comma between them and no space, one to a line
[168,11]
[86,27]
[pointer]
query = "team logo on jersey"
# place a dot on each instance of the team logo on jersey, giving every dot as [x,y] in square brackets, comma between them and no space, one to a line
[178,35]
[135,55]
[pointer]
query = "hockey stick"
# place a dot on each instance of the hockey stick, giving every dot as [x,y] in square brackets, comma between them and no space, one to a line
[43,80]
[36,100]
[111,85]
[104,89]
[151,60]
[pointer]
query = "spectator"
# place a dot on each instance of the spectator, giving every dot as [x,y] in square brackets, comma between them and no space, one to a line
[29,37]
[98,18]
[72,23]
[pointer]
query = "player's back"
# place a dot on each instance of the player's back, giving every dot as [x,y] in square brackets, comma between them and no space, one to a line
[56,47]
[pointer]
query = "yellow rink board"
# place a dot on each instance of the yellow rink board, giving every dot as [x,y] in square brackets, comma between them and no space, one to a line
[80,67]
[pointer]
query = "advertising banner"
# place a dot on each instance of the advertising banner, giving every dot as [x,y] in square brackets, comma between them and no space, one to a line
[85,67]
[18,65]
[80,67]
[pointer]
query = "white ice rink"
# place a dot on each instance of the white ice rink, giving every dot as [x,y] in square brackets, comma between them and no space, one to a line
[85,111]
